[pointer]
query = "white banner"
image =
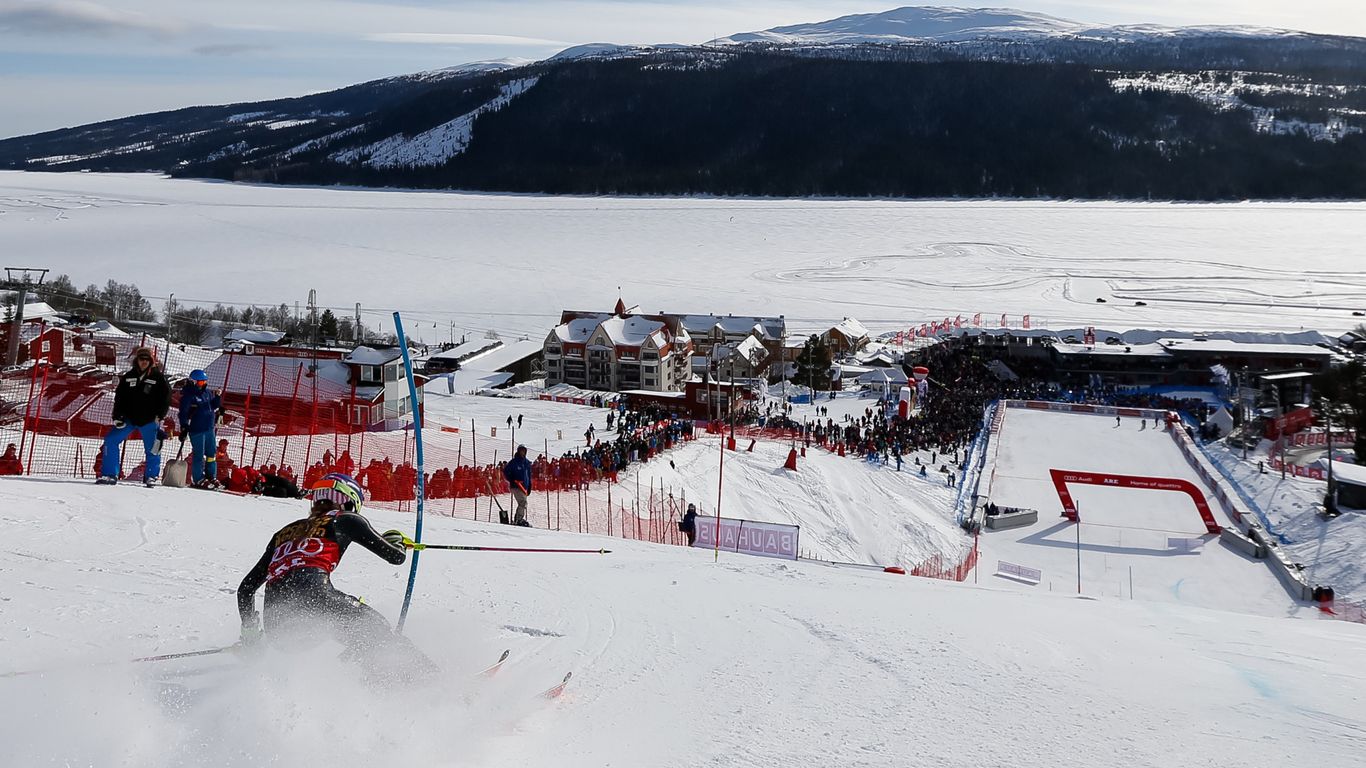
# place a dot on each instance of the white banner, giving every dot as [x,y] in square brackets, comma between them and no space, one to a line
[749,537]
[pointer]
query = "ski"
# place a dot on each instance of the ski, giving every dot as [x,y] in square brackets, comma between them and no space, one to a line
[554,691]
[493,668]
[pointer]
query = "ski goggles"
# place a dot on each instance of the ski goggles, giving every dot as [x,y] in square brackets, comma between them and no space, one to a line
[337,493]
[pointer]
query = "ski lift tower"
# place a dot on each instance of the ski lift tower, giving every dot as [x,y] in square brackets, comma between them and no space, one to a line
[20,280]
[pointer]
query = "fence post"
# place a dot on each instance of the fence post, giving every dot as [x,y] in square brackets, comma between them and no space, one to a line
[37,411]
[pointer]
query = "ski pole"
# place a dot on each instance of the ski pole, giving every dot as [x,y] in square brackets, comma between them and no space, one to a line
[409,543]
[140,659]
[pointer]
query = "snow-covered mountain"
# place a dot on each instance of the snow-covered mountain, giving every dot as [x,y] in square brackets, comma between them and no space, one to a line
[925,24]
[909,102]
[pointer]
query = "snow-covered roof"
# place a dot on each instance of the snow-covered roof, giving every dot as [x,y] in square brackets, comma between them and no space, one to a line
[1230,347]
[1120,350]
[503,356]
[852,328]
[578,330]
[1354,474]
[881,375]
[468,380]
[764,327]
[254,336]
[468,349]
[104,328]
[632,331]
[373,355]
[751,349]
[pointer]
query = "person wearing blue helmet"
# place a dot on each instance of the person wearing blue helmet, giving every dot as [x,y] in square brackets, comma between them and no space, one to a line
[296,570]
[199,409]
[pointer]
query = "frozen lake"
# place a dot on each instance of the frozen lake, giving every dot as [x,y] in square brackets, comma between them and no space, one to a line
[464,263]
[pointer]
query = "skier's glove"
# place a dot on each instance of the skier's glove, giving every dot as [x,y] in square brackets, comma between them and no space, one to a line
[251,629]
[118,423]
[396,538]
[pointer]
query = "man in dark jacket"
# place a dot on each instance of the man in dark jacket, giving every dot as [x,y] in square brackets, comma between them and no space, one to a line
[141,401]
[518,474]
[199,407]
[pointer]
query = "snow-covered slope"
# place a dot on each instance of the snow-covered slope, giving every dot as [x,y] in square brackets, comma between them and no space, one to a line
[928,24]
[677,661]
[915,24]
[435,145]
[1124,549]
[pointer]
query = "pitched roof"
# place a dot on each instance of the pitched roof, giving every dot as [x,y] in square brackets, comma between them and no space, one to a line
[373,355]
[851,328]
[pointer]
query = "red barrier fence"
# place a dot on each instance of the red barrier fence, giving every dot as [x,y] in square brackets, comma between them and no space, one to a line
[937,568]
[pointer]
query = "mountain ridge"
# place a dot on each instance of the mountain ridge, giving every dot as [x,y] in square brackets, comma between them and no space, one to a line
[1215,113]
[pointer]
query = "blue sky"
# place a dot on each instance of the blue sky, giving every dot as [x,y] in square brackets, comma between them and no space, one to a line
[68,62]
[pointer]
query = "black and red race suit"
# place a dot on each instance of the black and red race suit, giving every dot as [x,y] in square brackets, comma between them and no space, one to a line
[295,570]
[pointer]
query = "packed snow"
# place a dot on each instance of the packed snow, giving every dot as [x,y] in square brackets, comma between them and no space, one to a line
[677,660]
[1125,535]
[515,261]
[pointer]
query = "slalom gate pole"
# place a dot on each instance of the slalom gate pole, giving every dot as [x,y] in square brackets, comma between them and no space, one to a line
[416,547]
[421,490]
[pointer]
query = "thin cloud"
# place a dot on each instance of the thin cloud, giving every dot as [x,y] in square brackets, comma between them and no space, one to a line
[78,17]
[441,38]
[229,49]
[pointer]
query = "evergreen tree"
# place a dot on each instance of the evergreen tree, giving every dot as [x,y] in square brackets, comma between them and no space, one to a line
[813,363]
[1343,390]
[327,325]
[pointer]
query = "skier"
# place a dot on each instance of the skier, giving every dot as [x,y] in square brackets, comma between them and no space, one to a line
[141,401]
[1116,421]
[518,474]
[199,409]
[296,568]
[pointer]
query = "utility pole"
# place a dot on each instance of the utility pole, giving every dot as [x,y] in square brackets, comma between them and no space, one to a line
[1242,410]
[20,279]
[170,307]
[359,336]
[1330,498]
[313,320]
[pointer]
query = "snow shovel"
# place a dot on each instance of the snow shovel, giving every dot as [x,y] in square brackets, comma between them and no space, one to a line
[177,471]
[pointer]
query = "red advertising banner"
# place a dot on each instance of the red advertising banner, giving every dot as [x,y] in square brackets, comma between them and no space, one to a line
[1061,478]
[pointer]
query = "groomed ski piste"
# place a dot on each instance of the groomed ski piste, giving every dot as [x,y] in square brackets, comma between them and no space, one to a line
[1127,541]
[681,657]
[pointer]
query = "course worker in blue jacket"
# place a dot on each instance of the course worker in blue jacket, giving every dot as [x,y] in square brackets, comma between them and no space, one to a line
[199,408]
[518,474]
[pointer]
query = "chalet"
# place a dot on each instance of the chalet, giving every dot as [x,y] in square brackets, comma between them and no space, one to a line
[847,337]
[618,351]
[277,388]
[711,333]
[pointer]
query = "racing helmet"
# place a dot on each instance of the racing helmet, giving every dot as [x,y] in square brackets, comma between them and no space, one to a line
[339,488]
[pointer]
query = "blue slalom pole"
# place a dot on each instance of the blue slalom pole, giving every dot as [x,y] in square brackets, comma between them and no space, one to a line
[421,485]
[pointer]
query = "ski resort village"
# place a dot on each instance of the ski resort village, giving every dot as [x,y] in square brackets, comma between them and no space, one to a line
[447,420]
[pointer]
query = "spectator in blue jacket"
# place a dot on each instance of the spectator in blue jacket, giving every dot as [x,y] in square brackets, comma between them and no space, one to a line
[199,409]
[518,474]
